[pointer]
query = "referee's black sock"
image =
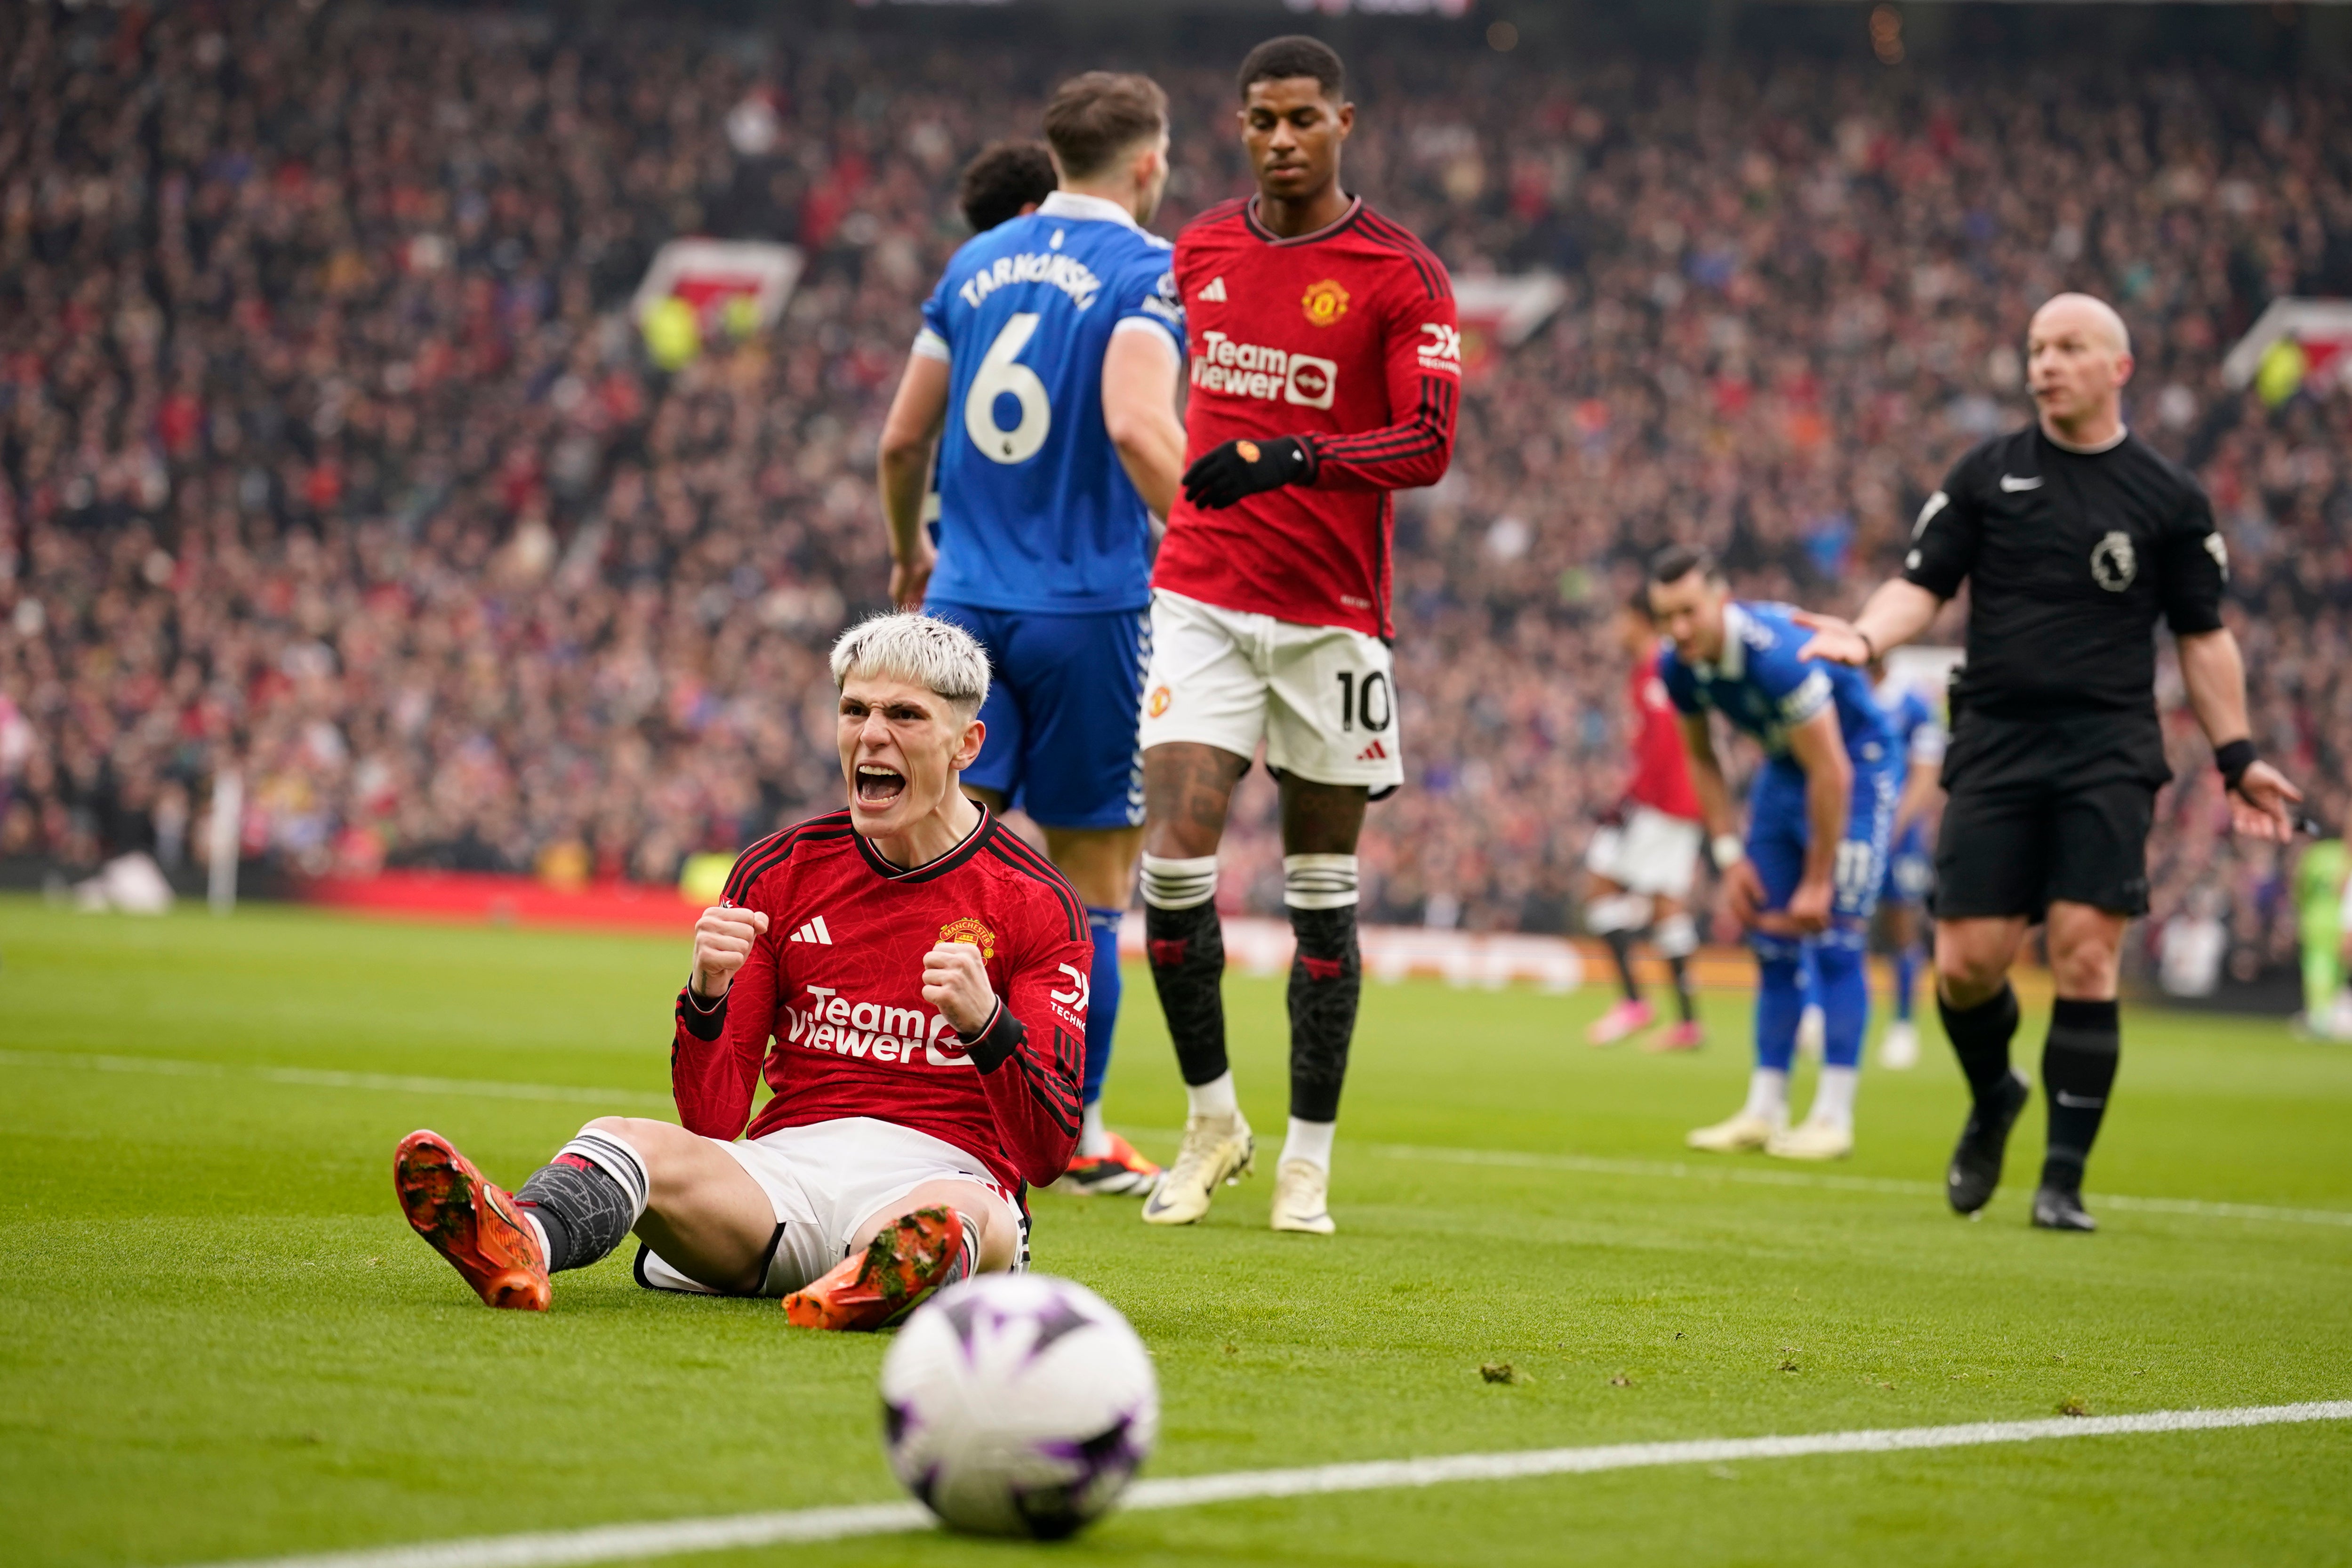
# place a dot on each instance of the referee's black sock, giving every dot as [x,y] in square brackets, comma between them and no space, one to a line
[1980,1036]
[1187,949]
[2078,1068]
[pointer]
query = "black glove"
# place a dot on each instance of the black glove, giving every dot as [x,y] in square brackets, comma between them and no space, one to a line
[1246,467]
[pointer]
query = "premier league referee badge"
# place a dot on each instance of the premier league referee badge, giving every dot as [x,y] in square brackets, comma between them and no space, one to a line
[2113,563]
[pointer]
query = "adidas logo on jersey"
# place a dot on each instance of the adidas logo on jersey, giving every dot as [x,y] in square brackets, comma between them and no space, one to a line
[814,932]
[1375,753]
[1214,294]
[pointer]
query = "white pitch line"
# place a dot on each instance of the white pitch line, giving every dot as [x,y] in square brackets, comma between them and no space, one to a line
[311,1078]
[667,1538]
[1728,1172]
[1589,1165]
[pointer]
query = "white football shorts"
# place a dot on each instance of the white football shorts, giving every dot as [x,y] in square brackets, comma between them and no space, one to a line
[1322,698]
[1651,854]
[825,1179]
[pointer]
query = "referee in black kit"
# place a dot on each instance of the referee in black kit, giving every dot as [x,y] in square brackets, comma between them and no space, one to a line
[2075,536]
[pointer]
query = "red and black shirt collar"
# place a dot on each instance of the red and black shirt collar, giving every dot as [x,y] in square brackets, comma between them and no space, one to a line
[972,844]
[1337,227]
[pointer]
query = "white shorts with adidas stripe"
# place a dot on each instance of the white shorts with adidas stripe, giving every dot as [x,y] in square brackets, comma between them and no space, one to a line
[825,1179]
[1322,698]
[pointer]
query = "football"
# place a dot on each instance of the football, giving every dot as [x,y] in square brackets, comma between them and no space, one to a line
[1018,1404]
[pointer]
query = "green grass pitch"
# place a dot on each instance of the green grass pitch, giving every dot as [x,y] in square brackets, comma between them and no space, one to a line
[218,1340]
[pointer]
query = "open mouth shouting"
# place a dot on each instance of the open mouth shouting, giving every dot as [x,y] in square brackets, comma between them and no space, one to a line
[880,787]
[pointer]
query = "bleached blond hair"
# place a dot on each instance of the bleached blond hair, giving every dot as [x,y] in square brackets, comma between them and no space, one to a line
[942,658]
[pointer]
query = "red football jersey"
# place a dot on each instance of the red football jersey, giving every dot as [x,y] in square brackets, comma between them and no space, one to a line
[1345,339]
[1660,772]
[838,984]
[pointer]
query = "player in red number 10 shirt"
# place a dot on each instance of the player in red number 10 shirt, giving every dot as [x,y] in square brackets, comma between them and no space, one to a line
[1326,371]
[922,976]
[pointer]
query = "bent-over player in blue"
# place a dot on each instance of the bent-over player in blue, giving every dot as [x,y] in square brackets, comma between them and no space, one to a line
[1046,373]
[1807,878]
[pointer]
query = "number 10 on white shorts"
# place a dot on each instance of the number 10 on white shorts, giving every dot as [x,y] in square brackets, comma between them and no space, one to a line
[1322,698]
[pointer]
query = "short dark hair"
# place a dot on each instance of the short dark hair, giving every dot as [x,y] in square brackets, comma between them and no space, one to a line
[1676,562]
[1638,602]
[1096,117]
[1278,59]
[1005,177]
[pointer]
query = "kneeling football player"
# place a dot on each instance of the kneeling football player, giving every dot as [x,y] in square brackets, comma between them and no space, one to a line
[922,974]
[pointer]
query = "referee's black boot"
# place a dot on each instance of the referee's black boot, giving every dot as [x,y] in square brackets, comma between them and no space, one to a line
[1976,1160]
[2059,1206]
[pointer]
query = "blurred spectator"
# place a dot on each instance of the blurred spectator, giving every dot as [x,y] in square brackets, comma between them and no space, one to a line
[327,452]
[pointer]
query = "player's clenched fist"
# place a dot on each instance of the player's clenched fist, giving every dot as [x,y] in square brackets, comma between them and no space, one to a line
[955,981]
[722,943]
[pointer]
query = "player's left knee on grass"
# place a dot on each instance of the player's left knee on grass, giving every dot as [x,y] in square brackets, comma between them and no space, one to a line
[988,1227]
[589,1197]
[1327,978]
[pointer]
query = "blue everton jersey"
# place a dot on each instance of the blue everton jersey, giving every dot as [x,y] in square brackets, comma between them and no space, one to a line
[1911,718]
[1036,513]
[1765,689]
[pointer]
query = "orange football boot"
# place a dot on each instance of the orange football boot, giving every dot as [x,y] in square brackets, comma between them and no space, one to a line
[1120,1171]
[470,1221]
[906,1261]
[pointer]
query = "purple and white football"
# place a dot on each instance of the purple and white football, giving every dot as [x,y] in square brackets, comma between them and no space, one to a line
[1018,1404]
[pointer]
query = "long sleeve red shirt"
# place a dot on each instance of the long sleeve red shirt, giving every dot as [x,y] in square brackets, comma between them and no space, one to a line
[829,1008]
[1345,339]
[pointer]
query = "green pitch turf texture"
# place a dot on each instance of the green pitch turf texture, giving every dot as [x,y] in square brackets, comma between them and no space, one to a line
[218,1340]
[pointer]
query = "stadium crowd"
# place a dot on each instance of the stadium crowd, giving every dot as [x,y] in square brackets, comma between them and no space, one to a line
[328,452]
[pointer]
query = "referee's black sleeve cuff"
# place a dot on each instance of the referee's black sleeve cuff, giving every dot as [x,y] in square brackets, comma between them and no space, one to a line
[703,1022]
[995,1042]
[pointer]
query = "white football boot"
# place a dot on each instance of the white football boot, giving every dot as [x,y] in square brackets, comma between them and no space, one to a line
[1811,1140]
[1737,1134]
[1301,1193]
[1215,1149]
[1898,1048]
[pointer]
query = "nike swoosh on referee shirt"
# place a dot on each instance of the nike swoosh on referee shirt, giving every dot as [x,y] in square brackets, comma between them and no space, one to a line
[2011,482]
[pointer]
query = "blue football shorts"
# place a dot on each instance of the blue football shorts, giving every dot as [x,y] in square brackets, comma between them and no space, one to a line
[1778,832]
[1064,695]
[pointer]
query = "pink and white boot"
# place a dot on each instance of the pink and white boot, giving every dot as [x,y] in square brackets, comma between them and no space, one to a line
[1623,1020]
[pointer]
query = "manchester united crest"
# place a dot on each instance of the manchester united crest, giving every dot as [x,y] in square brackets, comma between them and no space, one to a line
[1160,697]
[972,931]
[1324,302]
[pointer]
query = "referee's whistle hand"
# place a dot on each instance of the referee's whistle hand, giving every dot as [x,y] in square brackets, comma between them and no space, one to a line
[1833,640]
[2260,806]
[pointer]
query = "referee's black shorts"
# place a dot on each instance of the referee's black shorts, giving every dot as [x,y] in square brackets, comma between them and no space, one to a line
[2047,809]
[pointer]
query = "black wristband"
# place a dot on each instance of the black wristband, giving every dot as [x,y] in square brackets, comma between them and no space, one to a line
[706,1021]
[2233,759]
[999,1038]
